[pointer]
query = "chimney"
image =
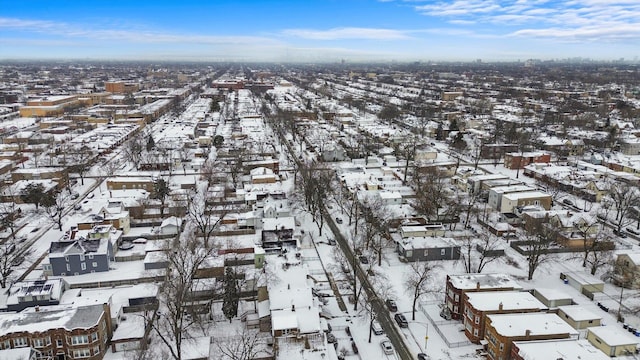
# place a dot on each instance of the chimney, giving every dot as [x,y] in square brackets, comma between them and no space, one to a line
[500,306]
[293,307]
[527,333]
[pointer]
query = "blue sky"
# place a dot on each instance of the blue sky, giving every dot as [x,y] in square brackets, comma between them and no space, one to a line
[320,30]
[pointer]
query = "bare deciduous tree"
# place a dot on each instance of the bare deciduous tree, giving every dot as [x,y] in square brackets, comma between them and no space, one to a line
[429,187]
[243,345]
[178,320]
[539,238]
[476,252]
[419,281]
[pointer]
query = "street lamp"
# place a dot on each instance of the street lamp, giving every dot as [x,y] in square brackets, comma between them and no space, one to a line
[426,333]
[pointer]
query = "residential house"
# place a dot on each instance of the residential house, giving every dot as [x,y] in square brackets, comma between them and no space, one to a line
[26,294]
[427,248]
[63,332]
[458,285]
[496,194]
[613,341]
[627,270]
[75,254]
[477,305]
[512,200]
[502,330]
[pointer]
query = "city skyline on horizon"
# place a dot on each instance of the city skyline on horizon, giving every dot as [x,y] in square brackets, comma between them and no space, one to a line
[322,30]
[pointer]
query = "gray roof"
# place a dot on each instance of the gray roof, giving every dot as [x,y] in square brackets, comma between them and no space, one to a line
[51,317]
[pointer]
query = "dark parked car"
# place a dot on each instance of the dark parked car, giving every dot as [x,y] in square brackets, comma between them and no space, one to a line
[391,305]
[338,220]
[354,347]
[331,338]
[363,259]
[401,320]
[423,356]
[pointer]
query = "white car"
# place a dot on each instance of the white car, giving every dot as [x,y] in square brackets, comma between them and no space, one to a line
[376,328]
[387,348]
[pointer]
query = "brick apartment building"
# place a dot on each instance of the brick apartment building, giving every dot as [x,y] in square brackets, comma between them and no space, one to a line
[59,332]
[458,285]
[516,160]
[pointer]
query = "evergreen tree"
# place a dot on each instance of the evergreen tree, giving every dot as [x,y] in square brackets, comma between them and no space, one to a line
[150,143]
[439,132]
[161,191]
[453,125]
[230,300]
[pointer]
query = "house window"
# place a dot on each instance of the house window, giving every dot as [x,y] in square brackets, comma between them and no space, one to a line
[6,344]
[38,343]
[81,353]
[68,267]
[443,252]
[90,256]
[501,346]
[81,257]
[477,320]
[475,332]
[20,342]
[66,258]
[58,342]
[94,264]
[94,336]
[409,253]
[96,350]
[79,339]
[83,266]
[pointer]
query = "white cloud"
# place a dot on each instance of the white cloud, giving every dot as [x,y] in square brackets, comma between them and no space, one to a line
[126,35]
[347,33]
[585,20]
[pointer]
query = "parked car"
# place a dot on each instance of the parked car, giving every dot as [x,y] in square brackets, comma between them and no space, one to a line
[127,245]
[401,320]
[620,233]
[17,261]
[338,220]
[567,202]
[387,348]
[331,338]
[632,231]
[391,305]
[75,196]
[363,259]
[331,241]
[423,356]
[354,347]
[376,328]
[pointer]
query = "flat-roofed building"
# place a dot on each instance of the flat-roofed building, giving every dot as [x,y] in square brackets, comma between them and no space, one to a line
[556,349]
[502,330]
[477,305]
[61,332]
[458,285]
